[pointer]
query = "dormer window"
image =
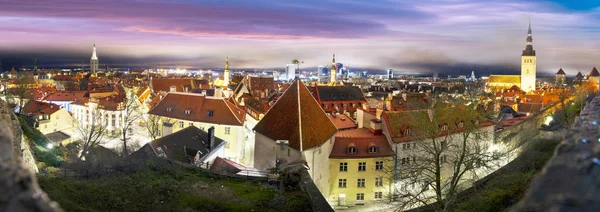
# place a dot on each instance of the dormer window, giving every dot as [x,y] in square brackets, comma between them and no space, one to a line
[211,113]
[461,124]
[373,149]
[352,150]
[407,132]
[169,109]
[188,112]
[444,127]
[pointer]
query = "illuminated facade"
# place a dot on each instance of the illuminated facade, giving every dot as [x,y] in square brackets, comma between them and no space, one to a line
[333,71]
[528,65]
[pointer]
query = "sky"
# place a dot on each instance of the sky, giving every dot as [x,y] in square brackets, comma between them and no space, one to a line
[425,36]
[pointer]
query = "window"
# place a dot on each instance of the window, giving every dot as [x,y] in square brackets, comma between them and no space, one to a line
[443,159]
[342,183]
[188,112]
[461,124]
[406,146]
[191,124]
[345,105]
[180,124]
[360,183]
[373,149]
[343,167]
[227,130]
[378,195]
[405,160]
[211,113]
[444,127]
[326,106]
[354,105]
[407,132]
[379,165]
[360,196]
[379,181]
[169,109]
[351,150]
[362,166]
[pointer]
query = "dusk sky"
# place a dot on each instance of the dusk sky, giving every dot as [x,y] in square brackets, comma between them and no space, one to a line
[447,36]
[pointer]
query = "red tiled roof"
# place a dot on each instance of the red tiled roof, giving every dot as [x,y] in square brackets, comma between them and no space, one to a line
[223,112]
[298,118]
[342,121]
[362,139]
[66,95]
[164,84]
[39,108]
[530,107]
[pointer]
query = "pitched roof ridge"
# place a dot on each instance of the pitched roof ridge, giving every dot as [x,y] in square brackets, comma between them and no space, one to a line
[232,112]
[299,114]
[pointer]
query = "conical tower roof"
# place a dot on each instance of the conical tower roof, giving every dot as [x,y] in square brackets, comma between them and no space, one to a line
[94,56]
[297,118]
[579,75]
[594,73]
[560,72]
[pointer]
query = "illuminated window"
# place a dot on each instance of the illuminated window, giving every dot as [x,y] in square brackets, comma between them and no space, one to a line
[407,132]
[188,112]
[342,183]
[445,127]
[379,195]
[360,196]
[227,130]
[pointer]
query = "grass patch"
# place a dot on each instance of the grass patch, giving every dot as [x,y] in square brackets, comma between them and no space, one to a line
[159,186]
[506,189]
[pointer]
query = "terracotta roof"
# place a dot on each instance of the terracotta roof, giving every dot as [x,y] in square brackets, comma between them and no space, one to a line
[362,139]
[164,84]
[560,72]
[180,144]
[66,95]
[342,121]
[594,72]
[530,107]
[260,83]
[39,108]
[155,100]
[532,99]
[510,79]
[298,118]
[143,94]
[201,109]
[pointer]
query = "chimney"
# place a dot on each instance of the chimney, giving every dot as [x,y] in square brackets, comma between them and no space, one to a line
[366,106]
[173,88]
[378,113]
[218,92]
[211,138]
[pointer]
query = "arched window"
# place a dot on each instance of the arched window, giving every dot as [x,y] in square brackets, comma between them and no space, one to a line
[461,124]
[352,150]
[407,132]
[373,149]
[444,127]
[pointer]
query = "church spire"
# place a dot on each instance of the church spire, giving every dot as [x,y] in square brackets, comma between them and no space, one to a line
[529,43]
[226,63]
[94,57]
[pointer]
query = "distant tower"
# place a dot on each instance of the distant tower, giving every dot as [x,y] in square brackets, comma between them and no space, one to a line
[35,64]
[473,76]
[594,77]
[390,73]
[226,73]
[333,71]
[319,73]
[561,77]
[528,64]
[94,62]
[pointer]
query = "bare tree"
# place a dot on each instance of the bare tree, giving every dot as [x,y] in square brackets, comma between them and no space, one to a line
[23,84]
[153,126]
[451,147]
[92,133]
[129,118]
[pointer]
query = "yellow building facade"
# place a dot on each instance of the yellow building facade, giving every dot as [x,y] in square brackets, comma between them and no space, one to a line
[351,184]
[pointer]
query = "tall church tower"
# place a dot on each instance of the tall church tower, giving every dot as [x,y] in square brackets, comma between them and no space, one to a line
[528,64]
[94,62]
[226,73]
[333,71]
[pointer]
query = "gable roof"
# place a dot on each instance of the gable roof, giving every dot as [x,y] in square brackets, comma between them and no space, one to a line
[298,118]
[164,84]
[594,73]
[68,96]
[184,142]
[39,108]
[362,139]
[338,93]
[202,109]
[560,72]
[579,75]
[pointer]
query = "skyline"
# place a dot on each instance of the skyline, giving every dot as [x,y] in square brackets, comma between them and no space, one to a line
[428,36]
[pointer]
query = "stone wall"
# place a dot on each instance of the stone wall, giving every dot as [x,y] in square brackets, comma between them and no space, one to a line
[20,146]
[570,180]
[19,188]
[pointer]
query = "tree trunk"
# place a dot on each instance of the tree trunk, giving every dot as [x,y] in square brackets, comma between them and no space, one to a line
[125,152]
